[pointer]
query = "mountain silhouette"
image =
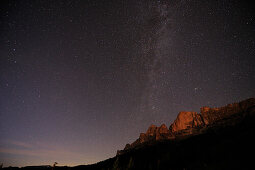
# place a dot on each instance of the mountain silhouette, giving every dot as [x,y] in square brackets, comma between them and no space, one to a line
[215,138]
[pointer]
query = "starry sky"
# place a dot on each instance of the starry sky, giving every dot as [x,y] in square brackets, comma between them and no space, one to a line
[81,78]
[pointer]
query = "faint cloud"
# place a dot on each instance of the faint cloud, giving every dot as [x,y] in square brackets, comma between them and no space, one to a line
[44,151]
[36,149]
[40,152]
[21,144]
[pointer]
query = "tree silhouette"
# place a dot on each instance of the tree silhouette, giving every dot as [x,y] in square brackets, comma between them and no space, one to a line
[54,165]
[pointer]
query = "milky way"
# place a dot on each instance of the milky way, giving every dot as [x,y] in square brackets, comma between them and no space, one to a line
[156,47]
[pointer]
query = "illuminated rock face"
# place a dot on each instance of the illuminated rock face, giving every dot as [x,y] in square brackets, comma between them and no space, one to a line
[192,123]
[153,133]
[163,133]
[212,115]
[209,116]
[157,133]
[151,130]
[187,120]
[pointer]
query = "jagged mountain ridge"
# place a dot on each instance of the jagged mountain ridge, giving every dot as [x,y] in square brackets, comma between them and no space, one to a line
[192,123]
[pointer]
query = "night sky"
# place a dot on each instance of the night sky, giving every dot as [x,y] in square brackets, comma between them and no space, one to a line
[80,79]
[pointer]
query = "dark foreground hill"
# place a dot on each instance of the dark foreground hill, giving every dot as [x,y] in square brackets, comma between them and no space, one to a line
[216,138]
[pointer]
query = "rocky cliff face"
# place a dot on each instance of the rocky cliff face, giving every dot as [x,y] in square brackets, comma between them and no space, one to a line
[192,123]
[153,133]
[187,120]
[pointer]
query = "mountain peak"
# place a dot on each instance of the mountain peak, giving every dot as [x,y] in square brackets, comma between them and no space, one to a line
[151,130]
[187,120]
